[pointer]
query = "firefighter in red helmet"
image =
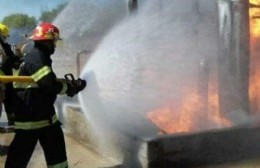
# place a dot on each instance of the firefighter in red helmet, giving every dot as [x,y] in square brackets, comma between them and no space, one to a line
[35,119]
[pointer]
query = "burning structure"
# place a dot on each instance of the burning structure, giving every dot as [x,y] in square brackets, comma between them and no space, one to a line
[176,84]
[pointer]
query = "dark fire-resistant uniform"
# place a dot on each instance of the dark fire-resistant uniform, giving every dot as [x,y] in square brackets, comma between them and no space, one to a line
[35,117]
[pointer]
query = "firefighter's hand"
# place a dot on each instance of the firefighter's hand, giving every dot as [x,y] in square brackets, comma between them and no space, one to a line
[75,86]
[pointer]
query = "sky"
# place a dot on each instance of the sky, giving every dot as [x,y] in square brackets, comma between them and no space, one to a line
[29,7]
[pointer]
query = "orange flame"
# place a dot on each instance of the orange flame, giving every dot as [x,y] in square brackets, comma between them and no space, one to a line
[254,13]
[254,88]
[192,114]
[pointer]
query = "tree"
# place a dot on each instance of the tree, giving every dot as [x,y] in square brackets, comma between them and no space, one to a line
[19,20]
[49,16]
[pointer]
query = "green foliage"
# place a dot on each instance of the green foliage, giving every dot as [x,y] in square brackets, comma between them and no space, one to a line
[49,16]
[19,20]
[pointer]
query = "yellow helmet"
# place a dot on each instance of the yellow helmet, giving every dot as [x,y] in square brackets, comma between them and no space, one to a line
[4,30]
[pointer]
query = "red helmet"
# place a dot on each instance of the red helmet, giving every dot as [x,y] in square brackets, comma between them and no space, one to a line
[45,31]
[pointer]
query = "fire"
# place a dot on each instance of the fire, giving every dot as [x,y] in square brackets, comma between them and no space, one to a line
[194,114]
[178,120]
[254,13]
[191,115]
[254,87]
[254,2]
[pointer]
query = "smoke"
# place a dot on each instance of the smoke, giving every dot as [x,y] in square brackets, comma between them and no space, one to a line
[82,26]
[147,62]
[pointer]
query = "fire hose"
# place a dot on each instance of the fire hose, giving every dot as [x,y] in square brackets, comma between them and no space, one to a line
[74,85]
[27,79]
[8,79]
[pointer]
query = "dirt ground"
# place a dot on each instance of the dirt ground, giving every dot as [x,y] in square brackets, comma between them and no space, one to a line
[79,156]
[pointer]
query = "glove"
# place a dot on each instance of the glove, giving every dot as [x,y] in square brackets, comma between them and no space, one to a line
[75,86]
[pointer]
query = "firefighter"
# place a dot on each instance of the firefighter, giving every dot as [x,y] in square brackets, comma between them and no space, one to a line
[9,61]
[4,33]
[35,117]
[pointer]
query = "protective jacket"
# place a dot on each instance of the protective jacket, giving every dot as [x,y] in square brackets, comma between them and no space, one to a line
[35,100]
[3,56]
[3,53]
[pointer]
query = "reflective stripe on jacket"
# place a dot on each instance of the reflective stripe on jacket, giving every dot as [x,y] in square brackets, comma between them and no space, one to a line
[45,70]
[35,124]
[36,77]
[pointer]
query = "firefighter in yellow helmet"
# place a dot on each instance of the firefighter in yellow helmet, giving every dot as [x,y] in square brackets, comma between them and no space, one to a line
[8,61]
[35,119]
[6,90]
[5,49]
[4,33]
